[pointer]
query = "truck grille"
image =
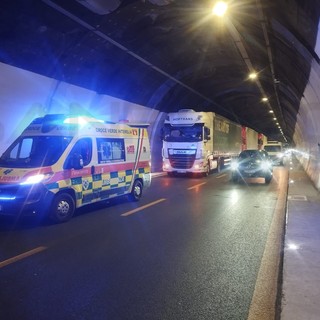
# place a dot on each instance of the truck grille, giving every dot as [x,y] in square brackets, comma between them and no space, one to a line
[182,161]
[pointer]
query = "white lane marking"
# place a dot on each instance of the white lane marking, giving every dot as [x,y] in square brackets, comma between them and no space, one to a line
[265,292]
[197,185]
[21,256]
[141,208]
[223,175]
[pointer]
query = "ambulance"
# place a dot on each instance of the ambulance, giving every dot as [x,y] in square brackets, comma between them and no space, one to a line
[61,163]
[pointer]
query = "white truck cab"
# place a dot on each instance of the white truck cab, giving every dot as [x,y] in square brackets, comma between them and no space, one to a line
[275,151]
[198,142]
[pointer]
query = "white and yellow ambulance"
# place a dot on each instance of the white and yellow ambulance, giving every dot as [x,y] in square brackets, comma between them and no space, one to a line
[60,163]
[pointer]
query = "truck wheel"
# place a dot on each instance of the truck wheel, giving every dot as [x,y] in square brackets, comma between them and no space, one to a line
[207,172]
[62,208]
[218,166]
[136,192]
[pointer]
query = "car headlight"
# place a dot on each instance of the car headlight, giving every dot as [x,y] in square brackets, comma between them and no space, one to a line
[265,165]
[234,165]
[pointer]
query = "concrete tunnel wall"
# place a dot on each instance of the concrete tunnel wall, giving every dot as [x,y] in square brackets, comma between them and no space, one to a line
[307,129]
[25,95]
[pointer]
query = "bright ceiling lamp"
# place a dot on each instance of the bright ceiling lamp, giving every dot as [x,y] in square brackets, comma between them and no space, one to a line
[253,75]
[264,99]
[219,8]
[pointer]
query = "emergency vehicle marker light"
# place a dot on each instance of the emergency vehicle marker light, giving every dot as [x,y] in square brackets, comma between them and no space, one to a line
[81,120]
[7,198]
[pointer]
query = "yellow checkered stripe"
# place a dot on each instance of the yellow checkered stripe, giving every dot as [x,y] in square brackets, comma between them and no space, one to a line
[93,188]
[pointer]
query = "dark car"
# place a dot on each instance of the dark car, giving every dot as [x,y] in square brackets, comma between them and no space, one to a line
[252,164]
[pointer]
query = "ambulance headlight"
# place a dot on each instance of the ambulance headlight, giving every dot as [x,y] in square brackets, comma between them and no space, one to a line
[37,178]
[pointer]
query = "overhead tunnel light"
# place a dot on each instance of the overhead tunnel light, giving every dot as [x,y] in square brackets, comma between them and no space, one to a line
[253,76]
[220,8]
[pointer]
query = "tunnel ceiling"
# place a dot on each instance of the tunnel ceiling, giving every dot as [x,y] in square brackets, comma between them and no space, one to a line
[172,54]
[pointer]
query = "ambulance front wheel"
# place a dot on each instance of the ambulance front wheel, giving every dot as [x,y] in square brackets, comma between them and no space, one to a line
[62,208]
[136,191]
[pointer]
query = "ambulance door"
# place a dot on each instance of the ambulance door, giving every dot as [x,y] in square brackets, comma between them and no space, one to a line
[112,176]
[81,178]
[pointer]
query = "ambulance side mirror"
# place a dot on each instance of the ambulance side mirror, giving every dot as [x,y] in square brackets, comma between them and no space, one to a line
[77,161]
[74,161]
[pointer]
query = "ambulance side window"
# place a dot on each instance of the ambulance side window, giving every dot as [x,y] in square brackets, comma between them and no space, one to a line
[82,149]
[110,150]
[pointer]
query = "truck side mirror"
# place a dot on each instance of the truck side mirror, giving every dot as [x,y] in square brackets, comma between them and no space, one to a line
[206,133]
[162,134]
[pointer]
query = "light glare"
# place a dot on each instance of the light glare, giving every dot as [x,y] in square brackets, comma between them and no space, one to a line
[253,76]
[220,8]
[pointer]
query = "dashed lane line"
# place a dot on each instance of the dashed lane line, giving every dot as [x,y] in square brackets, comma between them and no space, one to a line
[221,176]
[22,256]
[141,208]
[196,186]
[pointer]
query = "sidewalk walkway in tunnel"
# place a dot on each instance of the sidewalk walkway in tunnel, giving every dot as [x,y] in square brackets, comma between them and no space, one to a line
[301,263]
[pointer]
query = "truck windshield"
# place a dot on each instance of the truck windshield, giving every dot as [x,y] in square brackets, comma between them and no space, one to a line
[34,151]
[272,148]
[182,134]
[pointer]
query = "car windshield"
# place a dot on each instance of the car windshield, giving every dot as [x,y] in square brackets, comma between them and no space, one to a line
[181,134]
[247,154]
[34,151]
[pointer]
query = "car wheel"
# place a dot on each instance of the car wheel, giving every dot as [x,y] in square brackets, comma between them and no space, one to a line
[235,178]
[136,191]
[268,179]
[62,208]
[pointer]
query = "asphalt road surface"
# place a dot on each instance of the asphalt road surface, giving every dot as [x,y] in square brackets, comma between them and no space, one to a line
[191,248]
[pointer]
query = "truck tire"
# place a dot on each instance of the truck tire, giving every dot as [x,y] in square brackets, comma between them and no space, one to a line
[136,191]
[62,208]
[218,165]
[208,169]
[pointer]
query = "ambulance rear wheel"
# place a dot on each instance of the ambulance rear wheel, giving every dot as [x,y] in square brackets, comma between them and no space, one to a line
[62,208]
[136,192]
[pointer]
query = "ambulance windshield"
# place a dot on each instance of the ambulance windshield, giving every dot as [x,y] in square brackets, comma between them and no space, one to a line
[34,151]
[182,133]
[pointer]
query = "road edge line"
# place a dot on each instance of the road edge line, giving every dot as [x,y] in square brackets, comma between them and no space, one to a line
[264,299]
